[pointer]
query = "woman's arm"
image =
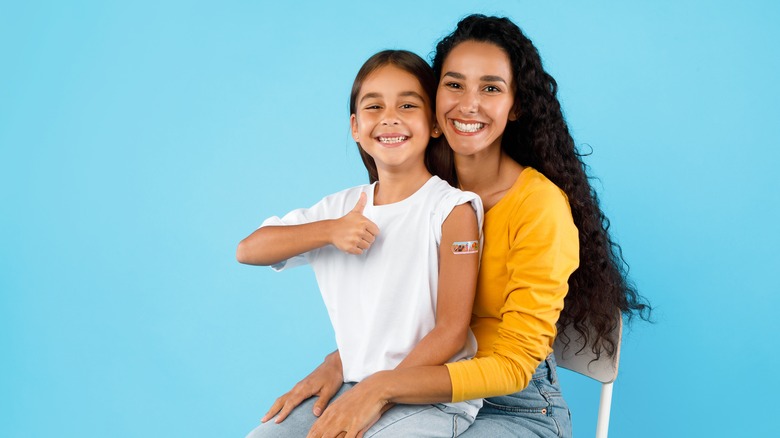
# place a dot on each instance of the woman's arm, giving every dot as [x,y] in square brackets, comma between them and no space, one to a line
[358,409]
[353,233]
[457,284]
[542,251]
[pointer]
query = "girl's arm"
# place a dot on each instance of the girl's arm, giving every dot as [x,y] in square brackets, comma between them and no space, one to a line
[353,233]
[457,284]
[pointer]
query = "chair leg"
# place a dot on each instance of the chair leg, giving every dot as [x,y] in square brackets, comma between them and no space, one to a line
[602,426]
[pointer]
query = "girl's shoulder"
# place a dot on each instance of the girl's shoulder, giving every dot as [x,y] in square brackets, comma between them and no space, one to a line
[444,198]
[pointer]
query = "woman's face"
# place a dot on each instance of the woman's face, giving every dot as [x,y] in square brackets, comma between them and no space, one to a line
[475,97]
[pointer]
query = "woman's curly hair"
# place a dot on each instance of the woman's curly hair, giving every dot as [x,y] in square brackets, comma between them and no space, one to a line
[540,138]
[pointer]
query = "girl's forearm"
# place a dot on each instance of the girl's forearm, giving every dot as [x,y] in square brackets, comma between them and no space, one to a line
[273,244]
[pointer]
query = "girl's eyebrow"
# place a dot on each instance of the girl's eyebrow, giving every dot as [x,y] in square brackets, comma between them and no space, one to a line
[411,94]
[370,96]
[486,78]
[402,94]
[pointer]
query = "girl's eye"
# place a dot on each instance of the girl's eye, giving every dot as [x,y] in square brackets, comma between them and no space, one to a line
[373,107]
[453,85]
[408,106]
[492,89]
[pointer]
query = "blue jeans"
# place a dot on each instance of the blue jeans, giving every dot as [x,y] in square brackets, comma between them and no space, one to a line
[407,421]
[537,411]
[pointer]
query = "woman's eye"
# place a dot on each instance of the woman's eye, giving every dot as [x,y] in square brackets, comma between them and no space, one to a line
[492,89]
[373,107]
[408,106]
[454,85]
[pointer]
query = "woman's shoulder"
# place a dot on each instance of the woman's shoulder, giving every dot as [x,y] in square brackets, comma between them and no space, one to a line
[534,195]
[533,187]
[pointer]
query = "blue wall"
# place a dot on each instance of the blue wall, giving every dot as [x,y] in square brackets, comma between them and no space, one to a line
[140,141]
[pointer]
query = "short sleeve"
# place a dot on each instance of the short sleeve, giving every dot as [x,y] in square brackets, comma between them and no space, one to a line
[449,201]
[330,207]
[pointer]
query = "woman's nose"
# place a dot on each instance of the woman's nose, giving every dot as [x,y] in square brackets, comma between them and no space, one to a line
[469,103]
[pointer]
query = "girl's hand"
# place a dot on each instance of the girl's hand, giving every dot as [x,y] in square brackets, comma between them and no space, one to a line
[354,233]
[325,381]
[353,413]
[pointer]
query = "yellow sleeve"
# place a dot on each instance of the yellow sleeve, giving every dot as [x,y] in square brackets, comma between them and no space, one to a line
[543,252]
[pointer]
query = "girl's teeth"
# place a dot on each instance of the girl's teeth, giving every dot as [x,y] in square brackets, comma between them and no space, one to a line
[467,127]
[391,140]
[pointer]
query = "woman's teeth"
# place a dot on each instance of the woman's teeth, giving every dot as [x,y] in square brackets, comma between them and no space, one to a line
[467,127]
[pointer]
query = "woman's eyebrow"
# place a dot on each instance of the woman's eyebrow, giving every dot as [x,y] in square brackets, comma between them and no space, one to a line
[486,78]
[492,78]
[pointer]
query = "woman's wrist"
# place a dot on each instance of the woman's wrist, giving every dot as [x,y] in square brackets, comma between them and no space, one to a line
[381,385]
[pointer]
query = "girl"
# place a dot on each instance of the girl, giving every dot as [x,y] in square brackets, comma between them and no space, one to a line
[546,244]
[396,260]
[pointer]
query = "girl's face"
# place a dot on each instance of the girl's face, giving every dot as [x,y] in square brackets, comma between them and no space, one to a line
[475,97]
[393,120]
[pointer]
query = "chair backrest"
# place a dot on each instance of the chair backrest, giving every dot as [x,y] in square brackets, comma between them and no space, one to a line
[578,357]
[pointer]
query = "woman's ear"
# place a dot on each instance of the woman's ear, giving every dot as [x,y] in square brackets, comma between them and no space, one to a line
[353,124]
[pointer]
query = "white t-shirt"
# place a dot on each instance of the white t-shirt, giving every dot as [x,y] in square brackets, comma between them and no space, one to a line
[383,302]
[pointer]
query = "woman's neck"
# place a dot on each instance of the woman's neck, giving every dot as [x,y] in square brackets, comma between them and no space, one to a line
[488,175]
[396,186]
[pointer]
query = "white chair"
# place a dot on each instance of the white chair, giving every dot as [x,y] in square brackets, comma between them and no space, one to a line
[581,360]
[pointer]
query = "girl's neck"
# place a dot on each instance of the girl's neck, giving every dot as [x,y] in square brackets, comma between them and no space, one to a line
[489,175]
[396,186]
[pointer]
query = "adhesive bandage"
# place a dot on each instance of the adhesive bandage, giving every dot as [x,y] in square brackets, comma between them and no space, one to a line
[470,247]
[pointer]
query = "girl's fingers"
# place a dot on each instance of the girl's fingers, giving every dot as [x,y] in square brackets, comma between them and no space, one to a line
[322,402]
[273,410]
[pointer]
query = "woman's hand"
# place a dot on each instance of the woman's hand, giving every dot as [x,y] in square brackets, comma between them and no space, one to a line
[325,381]
[354,412]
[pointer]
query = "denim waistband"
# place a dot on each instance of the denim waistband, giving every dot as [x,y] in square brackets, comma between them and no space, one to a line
[546,370]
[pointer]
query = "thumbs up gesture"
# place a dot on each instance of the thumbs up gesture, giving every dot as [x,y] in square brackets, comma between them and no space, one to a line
[354,233]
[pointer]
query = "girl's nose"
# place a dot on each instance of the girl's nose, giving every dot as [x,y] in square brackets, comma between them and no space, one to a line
[390,117]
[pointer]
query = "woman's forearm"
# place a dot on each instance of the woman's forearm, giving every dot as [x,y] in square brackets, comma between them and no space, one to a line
[415,385]
[437,347]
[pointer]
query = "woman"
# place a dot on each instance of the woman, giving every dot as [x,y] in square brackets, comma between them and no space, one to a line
[547,260]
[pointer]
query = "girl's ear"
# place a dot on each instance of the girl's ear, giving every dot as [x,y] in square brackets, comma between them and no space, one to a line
[435,131]
[353,124]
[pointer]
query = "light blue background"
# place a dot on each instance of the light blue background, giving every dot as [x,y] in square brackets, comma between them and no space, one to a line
[140,141]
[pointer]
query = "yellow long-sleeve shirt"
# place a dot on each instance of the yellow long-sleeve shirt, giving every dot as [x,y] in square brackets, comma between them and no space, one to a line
[531,247]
